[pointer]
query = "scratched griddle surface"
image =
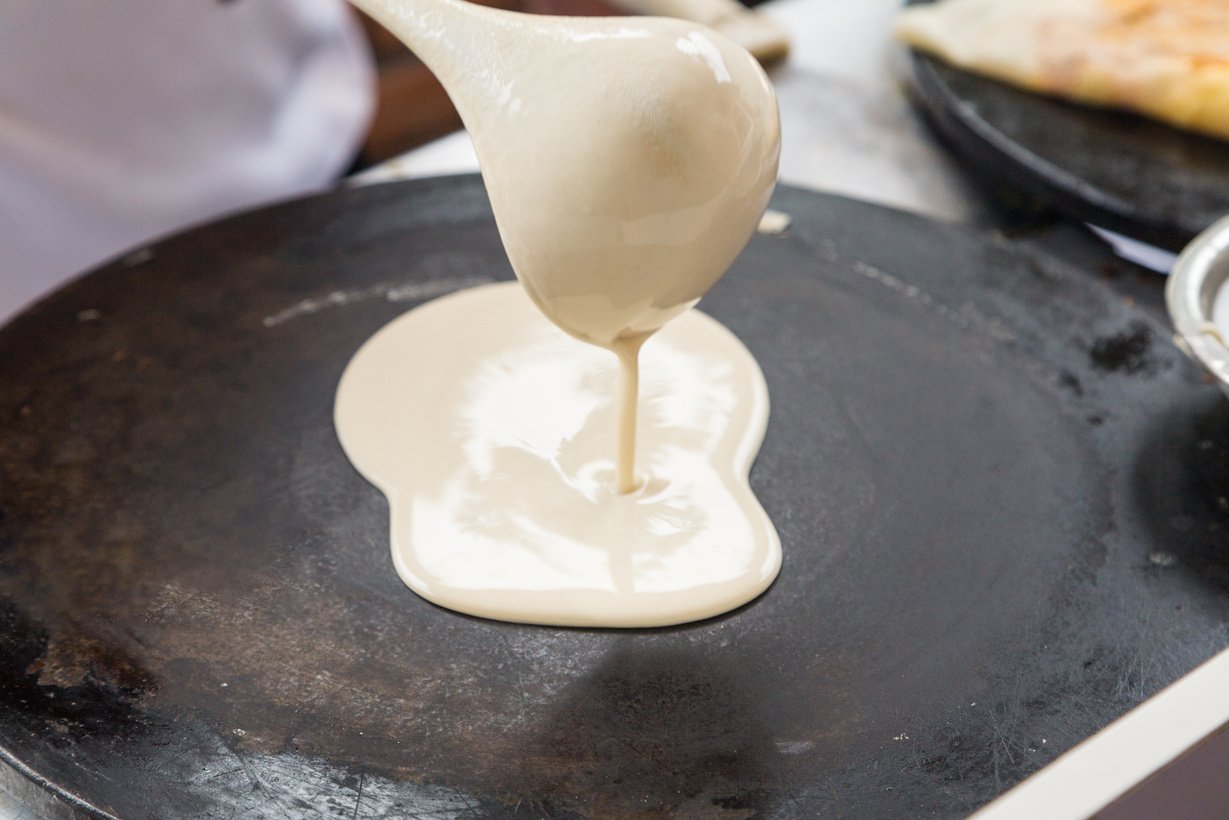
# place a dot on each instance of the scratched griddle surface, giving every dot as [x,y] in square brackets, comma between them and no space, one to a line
[1000,490]
[1118,170]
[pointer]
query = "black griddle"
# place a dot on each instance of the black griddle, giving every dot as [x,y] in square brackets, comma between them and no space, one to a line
[1114,169]
[1000,489]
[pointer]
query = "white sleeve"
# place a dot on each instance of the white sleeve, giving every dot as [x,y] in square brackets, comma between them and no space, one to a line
[126,119]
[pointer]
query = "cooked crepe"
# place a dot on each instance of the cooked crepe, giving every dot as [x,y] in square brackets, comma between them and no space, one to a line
[1167,59]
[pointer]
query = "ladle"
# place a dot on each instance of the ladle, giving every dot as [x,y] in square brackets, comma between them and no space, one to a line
[627,159]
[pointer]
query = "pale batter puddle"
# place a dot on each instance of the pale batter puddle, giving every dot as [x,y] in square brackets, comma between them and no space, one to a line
[628,161]
[492,433]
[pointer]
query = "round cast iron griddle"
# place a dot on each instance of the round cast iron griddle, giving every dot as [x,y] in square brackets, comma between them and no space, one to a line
[1118,170]
[1001,494]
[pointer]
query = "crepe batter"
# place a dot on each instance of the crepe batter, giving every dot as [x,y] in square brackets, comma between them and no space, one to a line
[628,160]
[496,457]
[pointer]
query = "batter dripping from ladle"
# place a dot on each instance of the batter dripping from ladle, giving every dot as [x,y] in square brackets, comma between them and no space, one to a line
[627,160]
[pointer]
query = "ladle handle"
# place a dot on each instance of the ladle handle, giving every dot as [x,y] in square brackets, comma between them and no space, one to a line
[449,36]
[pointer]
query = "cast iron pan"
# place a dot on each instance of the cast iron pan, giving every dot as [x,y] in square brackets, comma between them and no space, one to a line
[1001,493]
[1117,170]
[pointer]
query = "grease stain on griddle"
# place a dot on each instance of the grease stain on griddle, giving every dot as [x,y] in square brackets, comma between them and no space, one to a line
[84,689]
[1128,351]
[1069,381]
[1180,482]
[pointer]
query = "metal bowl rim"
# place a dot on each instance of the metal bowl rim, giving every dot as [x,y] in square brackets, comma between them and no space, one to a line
[1190,308]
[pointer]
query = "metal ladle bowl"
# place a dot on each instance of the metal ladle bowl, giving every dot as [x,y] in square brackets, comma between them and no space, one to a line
[1198,275]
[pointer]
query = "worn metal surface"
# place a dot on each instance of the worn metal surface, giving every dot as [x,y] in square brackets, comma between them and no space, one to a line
[1000,489]
[1124,172]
